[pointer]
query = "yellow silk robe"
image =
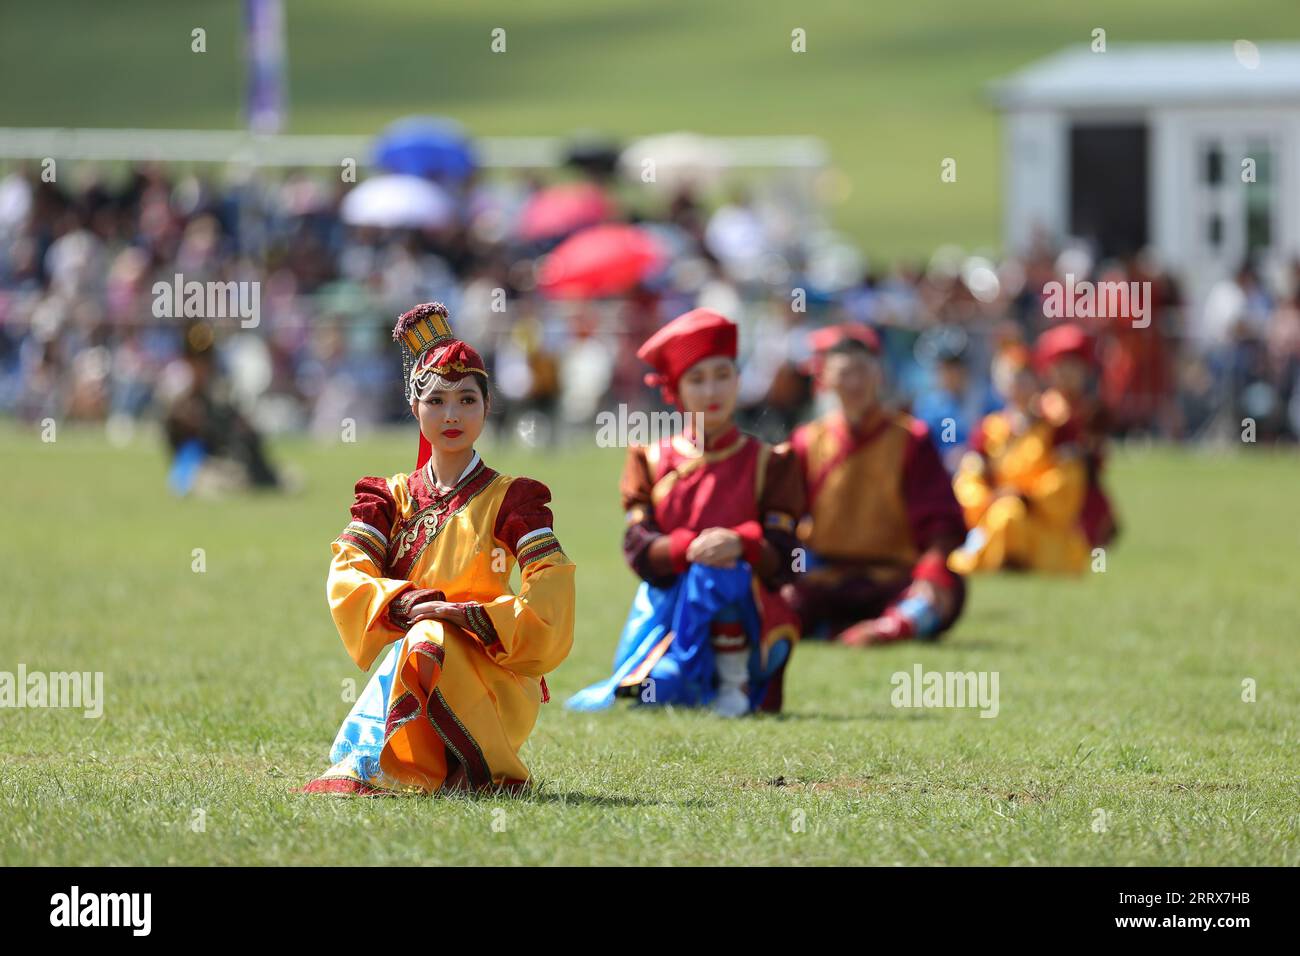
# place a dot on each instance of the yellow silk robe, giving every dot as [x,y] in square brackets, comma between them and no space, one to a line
[1036,527]
[462,701]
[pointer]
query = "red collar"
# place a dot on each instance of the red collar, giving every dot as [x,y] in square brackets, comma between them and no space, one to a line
[725,440]
[717,443]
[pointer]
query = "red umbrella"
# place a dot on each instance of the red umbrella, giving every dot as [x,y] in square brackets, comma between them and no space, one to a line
[562,209]
[599,261]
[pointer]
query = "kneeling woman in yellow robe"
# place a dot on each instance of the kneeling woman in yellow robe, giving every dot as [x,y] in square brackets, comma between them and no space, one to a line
[423,570]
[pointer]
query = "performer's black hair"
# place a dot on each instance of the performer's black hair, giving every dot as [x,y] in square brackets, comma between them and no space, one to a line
[851,346]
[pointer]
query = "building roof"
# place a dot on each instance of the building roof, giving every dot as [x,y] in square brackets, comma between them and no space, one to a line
[1157,74]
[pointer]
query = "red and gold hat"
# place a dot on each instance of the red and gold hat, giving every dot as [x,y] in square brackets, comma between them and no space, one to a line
[429,349]
[831,336]
[1062,341]
[824,339]
[452,360]
[683,342]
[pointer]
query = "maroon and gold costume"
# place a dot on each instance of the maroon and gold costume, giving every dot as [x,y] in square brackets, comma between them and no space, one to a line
[881,517]
[671,493]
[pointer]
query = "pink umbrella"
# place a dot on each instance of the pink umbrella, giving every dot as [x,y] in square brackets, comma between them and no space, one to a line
[562,209]
[600,261]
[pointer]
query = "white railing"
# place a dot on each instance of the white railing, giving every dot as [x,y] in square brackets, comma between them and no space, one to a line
[221,146]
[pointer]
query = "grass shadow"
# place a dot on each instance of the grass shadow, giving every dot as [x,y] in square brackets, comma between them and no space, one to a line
[910,713]
[542,795]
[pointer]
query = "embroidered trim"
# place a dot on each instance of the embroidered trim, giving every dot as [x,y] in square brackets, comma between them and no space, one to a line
[455,738]
[428,522]
[403,709]
[481,624]
[538,548]
[432,486]
[536,532]
[367,540]
[458,740]
[400,607]
[372,530]
[399,610]
[459,367]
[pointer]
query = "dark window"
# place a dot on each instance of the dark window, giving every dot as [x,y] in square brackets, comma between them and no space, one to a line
[1213,166]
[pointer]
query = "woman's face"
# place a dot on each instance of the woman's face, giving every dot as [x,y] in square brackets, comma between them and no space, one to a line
[1024,386]
[709,388]
[451,420]
[1069,375]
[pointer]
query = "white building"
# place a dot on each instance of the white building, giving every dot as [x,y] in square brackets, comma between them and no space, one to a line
[1157,145]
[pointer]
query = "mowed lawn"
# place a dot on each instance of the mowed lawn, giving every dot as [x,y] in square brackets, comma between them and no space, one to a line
[1119,692]
[893,89]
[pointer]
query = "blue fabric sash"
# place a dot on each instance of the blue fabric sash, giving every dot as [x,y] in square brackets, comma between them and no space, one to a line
[361,737]
[684,675]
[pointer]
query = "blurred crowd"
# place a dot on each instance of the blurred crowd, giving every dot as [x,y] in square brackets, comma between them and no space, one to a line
[80,338]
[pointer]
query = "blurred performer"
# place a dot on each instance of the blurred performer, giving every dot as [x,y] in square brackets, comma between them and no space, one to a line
[881,516]
[710,531]
[954,403]
[1022,486]
[1066,358]
[214,447]
[423,571]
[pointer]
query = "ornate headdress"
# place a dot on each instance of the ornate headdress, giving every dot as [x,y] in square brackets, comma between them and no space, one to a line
[429,350]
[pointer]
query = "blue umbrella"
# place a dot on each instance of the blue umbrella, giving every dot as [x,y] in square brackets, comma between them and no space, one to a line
[425,146]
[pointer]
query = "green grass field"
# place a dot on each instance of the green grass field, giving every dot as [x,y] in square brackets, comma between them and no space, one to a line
[892,88]
[1120,692]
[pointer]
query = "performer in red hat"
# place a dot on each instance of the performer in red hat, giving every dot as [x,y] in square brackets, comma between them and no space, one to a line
[881,514]
[711,513]
[423,571]
[1030,486]
[1066,357]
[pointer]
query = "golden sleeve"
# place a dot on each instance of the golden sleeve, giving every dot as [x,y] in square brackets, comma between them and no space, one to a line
[358,593]
[971,485]
[1057,491]
[530,632]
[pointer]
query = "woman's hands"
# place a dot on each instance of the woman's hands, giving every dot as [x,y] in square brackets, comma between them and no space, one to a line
[716,548]
[439,611]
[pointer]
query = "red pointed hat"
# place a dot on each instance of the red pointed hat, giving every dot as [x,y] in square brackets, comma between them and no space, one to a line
[429,349]
[686,340]
[1060,341]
